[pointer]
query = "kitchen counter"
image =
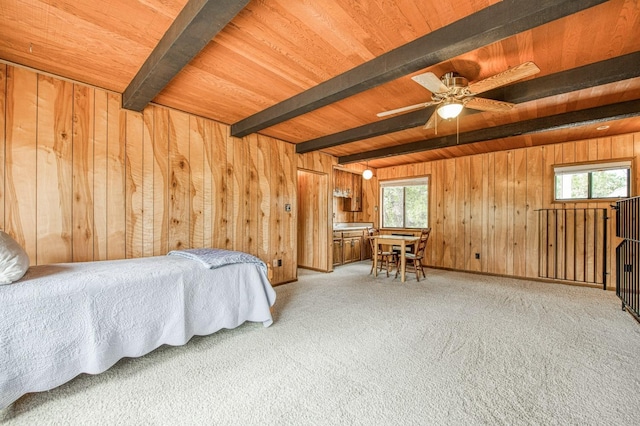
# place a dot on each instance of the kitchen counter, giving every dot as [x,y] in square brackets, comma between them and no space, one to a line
[350,244]
[351,226]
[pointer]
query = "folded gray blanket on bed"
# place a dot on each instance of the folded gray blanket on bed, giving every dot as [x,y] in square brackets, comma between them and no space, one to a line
[213,258]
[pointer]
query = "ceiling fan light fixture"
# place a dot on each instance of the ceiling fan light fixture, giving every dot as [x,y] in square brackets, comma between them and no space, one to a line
[450,109]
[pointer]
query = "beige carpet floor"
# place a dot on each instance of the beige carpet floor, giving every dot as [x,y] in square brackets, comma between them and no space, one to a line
[347,348]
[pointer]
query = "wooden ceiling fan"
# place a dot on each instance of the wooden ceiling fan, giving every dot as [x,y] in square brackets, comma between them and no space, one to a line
[453,92]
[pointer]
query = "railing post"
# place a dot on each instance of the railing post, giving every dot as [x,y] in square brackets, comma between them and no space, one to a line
[604,250]
[628,255]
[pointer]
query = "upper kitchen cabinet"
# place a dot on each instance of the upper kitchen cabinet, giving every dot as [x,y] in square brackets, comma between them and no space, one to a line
[354,203]
[348,186]
[342,184]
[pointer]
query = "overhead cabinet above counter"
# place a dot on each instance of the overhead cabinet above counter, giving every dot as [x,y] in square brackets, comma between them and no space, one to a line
[342,184]
[348,186]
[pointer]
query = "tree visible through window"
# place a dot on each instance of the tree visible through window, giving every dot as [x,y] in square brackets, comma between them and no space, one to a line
[593,181]
[405,203]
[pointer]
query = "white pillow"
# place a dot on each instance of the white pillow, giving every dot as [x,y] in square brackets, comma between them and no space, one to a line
[14,261]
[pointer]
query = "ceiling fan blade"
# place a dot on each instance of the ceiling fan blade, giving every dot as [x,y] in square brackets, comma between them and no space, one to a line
[431,122]
[404,109]
[484,104]
[431,82]
[503,78]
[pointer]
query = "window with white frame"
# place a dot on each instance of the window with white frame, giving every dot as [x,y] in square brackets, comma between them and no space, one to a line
[405,203]
[593,181]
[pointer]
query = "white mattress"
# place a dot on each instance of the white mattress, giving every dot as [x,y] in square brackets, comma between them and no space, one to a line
[61,320]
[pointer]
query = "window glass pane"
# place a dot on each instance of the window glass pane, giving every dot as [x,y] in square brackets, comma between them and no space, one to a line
[392,205]
[416,206]
[572,185]
[610,183]
[593,181]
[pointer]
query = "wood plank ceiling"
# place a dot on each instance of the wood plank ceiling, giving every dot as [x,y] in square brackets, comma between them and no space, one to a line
[275,54]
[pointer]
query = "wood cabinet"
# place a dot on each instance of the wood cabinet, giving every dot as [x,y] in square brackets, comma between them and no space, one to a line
[354,203]
[337,250]
[342,185]
[348,186]
[349,247]
[347,250]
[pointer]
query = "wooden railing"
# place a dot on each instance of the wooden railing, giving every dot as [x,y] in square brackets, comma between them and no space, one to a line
[628,255]
[628,215]
[573,245]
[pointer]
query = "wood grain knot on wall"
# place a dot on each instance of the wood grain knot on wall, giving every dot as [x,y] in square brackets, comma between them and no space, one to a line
[85,180]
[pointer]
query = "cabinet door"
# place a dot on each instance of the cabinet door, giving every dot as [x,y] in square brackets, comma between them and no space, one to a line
[342,186]
[366,248]
[338,183]
[357,249]
[347,204]
[347,250]
[354,202]
[357,193]
[337,252]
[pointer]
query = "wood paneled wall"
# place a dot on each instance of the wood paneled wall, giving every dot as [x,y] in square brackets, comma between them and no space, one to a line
[487,203]
[84,180]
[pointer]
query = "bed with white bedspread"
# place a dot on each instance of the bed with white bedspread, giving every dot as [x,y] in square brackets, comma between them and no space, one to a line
[61,320]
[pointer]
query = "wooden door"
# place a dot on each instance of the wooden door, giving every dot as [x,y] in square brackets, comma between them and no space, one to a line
[313,221]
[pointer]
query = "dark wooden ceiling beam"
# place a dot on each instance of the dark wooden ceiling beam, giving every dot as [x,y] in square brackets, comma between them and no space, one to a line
[377,128]
[194,27]
[592,75]
[596,74]
[544,124]
[494,23]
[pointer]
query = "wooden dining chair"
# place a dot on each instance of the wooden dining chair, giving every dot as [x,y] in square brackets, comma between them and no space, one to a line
[414,261]
[386,258]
